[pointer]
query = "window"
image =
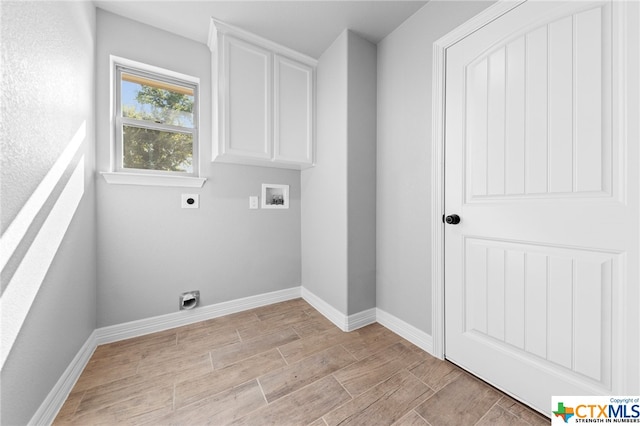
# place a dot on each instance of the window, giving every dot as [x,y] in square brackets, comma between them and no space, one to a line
[156,121]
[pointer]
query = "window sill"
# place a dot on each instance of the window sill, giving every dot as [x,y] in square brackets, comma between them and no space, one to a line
[152,180]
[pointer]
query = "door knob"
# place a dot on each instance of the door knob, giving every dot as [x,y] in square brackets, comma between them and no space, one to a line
[452,219]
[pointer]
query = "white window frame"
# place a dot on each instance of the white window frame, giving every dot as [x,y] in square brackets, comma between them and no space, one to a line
[118,174]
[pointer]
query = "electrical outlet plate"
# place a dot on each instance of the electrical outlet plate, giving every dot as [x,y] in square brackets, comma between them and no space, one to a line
[253,202]
[190,201]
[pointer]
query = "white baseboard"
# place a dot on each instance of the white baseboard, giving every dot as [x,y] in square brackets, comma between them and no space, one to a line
[141,327]
[418,337]
[342,321]
[356,321]
[56,398]
[332,314]
[48,410]
[52,404]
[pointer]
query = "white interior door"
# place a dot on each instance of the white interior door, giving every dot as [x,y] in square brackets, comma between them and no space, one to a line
[537,168]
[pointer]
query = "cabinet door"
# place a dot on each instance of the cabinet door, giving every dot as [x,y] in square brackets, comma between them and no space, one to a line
[248,99]
[293,112]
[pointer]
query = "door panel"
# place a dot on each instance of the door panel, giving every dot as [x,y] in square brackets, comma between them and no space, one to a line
[293,113]
[543,303]
[533,88]
[535,172]
[248,99]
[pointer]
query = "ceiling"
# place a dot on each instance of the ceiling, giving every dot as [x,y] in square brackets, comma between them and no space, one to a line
[306,26]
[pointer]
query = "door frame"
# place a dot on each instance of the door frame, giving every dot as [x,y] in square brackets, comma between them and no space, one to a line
[440,47]
[626,38]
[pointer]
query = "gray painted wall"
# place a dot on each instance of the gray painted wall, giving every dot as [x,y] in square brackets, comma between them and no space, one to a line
[338,195]
[149,249]
[361,174]
[47,94]
[404,159]
[324,187]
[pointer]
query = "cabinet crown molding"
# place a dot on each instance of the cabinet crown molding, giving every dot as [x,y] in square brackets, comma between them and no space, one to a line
[217,28]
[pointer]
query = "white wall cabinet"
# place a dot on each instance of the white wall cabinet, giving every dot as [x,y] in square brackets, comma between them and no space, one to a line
[263,101]
[245,101]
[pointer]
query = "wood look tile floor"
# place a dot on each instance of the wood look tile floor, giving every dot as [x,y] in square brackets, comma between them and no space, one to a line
[282,364]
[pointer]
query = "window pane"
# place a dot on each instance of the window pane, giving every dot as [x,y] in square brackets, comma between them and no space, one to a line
[156,101]
[156,150]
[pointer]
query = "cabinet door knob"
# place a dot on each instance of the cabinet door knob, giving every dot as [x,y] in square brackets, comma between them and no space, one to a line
[452,219]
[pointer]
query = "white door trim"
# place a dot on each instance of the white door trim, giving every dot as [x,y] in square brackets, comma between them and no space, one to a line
[437,160]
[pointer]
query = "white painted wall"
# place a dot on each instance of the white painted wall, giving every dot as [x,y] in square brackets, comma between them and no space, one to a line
[47,95]
[324,187]
[404,157]
[149,249]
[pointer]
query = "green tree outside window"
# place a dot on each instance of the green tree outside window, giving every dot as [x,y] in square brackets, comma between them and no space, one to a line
[157,149]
